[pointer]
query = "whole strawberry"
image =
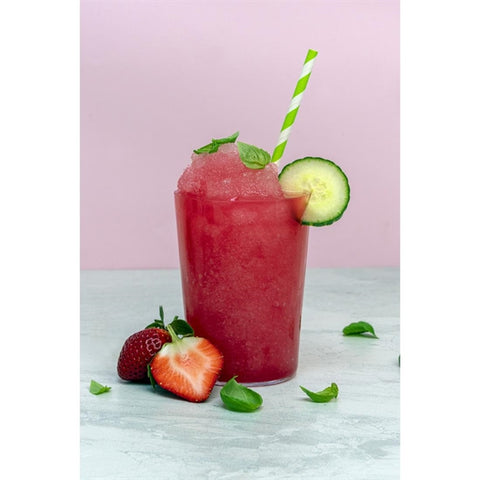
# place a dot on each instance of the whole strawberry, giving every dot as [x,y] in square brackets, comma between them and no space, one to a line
[139,349]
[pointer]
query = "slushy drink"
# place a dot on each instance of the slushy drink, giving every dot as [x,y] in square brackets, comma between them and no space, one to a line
[242,255]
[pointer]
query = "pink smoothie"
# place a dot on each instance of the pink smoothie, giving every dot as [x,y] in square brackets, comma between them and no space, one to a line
[242,255]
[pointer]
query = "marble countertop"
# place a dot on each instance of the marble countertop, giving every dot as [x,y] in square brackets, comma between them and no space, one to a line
[134,432]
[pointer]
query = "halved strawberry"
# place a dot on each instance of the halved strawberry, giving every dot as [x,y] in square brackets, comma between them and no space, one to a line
[187,367]
[137,352]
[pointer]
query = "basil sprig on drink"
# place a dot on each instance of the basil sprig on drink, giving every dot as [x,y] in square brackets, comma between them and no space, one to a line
[251,156]
[216,142]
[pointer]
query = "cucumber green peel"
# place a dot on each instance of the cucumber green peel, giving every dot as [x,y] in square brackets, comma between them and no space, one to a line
[325,184]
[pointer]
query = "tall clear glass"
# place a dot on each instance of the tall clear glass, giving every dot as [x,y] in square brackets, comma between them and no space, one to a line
[243,268]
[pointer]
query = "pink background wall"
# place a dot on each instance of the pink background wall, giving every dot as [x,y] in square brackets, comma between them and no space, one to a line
[159,78]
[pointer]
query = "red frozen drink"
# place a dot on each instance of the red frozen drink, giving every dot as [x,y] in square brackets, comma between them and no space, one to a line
[242,255]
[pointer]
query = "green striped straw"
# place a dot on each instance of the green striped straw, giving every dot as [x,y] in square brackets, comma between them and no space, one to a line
[294,105]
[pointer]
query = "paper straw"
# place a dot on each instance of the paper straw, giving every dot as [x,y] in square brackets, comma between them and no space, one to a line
[294,105]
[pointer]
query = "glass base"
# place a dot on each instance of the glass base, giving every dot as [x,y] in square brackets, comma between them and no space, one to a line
[259,384]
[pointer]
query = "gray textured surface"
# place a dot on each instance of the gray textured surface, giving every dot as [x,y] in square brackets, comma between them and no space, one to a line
[133,432]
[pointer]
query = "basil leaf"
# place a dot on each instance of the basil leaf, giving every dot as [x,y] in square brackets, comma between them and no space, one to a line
[231,139]
[357,328]
[323,396]
[210,148]
[253,157]
[216,142]
[181,327]
[239,398]
[97,388]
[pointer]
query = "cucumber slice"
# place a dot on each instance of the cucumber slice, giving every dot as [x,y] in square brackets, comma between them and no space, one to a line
[326,184]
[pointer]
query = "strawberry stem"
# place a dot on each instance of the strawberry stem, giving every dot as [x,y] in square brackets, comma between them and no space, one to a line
[158,323]
[171,331]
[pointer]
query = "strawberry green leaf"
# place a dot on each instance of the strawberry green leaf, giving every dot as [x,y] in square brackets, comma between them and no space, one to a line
[239,398]
[181,327]
[158,323]
[97,388]
[358,328]
[153,383]
[323,396]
